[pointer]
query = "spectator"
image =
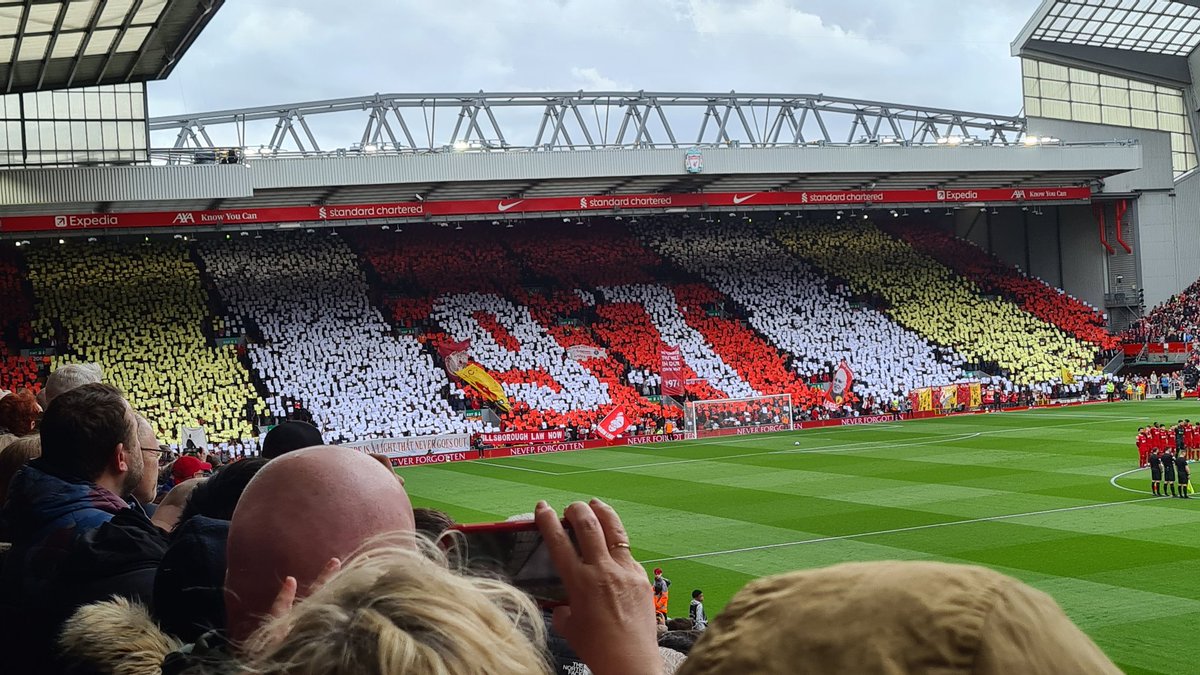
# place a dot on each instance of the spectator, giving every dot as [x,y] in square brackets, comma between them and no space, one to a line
[16,454]
[300,511]
[78,534]
[19,412]
[399,611]
[289,436]
[894,617]
[679,640]
[432,522]
[70,376]
[188,587]
[188,467]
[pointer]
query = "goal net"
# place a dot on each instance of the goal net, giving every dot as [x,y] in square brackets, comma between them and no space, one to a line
[735,416]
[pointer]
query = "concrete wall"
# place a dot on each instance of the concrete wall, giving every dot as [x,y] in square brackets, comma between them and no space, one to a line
[1163,224]
[1187,228]
[1156,172]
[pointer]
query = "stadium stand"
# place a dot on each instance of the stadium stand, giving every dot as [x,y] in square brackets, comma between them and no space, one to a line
[930,299]
[991,275]
[663,308]
[534,368]
[1176,320]
[16,372]
[138,311]
[799,310]
[413,269]
[323,342]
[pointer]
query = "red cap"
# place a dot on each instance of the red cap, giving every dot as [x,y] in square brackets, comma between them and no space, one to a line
[657,571]
[187,466]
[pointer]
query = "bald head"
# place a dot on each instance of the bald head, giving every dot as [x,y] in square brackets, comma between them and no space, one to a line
[298,512]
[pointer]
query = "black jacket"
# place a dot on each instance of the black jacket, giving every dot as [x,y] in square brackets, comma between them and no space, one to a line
[188,590]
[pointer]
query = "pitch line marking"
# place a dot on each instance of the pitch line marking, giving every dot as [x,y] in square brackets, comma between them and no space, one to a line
[823,449]
[520,468]
[897,530]
[828,449]
[1114,479]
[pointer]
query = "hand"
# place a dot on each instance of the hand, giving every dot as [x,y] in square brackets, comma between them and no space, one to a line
[609,618]
[285,599]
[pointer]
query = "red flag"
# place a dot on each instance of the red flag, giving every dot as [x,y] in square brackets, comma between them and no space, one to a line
[454,354]
[614,424]
[839,388]
[672,371]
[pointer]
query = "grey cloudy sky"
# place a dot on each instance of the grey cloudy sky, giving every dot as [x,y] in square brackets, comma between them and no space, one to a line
[946,53]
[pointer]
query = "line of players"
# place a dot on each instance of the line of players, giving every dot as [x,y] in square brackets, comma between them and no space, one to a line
[1166,450]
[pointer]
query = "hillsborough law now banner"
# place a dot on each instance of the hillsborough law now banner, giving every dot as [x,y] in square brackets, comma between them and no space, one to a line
[514,437]
[536,205]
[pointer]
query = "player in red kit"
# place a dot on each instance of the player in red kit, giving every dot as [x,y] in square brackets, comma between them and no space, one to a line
[1143,447]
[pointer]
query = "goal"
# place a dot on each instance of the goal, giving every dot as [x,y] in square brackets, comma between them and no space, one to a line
[736,416]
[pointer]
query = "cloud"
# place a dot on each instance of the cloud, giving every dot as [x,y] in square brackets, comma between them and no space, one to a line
[939,53]
[590,79]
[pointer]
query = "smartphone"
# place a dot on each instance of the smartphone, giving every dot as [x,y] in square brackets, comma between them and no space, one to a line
[514,552]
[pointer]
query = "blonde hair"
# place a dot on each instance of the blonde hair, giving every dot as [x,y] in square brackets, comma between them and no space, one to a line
[400,609]
[14,456]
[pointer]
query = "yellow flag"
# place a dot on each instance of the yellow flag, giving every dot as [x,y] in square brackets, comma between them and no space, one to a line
[482,381]
[976,395]
[924,400]
[1067,376]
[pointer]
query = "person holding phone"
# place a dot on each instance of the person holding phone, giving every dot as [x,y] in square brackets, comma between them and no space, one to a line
[608,618]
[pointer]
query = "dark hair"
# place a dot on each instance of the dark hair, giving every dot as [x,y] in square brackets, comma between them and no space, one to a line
[697,593]
[82,427]
[432,521]
[289,436]
[218,496]
[19,412]
[679,640]
[680,624]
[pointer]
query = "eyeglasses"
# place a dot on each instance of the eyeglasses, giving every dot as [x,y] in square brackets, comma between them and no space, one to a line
[156,451]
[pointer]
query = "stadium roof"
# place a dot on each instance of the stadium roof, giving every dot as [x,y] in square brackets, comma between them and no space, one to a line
[55,44]
[1143,38]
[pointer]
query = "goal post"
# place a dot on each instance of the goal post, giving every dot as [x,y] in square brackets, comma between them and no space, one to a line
[737,416]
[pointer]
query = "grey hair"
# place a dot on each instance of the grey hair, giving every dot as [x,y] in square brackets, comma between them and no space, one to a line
[71,376]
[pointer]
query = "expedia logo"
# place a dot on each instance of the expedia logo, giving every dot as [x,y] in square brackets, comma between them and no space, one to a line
[60,221]
[941,195]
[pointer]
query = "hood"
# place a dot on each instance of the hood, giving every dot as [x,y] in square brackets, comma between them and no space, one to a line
[39,500]
[116,637]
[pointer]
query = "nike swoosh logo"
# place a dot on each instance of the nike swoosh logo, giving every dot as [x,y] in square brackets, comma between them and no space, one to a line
[504,207]
[739,200]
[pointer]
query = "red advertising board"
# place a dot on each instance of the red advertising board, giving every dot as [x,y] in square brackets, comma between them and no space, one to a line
[535,205]
[672,372]
[515,437]
[566,446]
[742,431]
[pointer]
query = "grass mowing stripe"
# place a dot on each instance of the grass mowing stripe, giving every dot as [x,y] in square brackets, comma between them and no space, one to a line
[953,489]
[895,530]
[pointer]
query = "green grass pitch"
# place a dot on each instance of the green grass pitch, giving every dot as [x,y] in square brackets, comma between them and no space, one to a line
[1032,494]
